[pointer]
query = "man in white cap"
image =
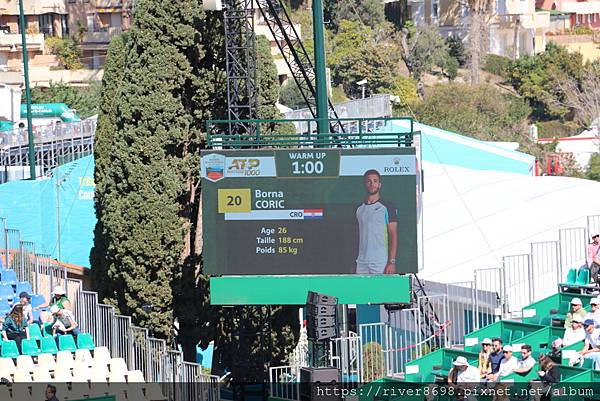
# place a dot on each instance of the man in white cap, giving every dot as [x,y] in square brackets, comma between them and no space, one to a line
[575,333]
[64,322]
[594,314]
[507,366]
[59,298]
[465,373]
[576,309]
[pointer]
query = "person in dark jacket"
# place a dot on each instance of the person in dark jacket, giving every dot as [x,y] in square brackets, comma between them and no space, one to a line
[15,327]
[549,374]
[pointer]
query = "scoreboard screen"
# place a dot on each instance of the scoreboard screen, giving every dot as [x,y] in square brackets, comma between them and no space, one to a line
[309,211]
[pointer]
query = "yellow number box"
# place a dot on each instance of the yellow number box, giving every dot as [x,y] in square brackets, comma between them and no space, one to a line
[234,200]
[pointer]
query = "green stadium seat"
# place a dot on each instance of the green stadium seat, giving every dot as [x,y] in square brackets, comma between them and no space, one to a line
[571,276]
[48,345]
[9,349]
[583,278]
[47,330]
[67,343]
[35,332]
[30,347]
[85,341]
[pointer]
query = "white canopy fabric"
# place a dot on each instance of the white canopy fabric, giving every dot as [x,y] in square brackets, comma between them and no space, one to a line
[472,218]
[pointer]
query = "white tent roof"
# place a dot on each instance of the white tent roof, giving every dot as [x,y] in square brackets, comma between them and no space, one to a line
[473,218]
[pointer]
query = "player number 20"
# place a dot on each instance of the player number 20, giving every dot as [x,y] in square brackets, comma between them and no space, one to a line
[308,167]
[234,200]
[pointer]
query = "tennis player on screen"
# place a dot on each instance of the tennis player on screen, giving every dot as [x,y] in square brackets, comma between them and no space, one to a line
[377,230]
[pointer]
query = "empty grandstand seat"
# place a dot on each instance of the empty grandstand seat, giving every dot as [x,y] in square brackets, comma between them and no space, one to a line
[9,277]
[46,361]
[99,373]
[101,354]
[79,389]
[118,365]
[25,362]
[22,376]
[30,347]
[9,349]
[37,300]
[35,333]
[583,278]
[84,355]
[7,367]
[66,343]
[135,376]
[48,345]
[36,315]
[21,392]
[116,377]
[506,336]
[6,291]
[62,374]
[41,375]
[85,341]
[23,286]
[571,276]
[81,372]
[64,359]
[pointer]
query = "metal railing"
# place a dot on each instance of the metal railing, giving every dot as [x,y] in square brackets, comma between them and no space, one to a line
[55,144]
[180,380]
[358,132]
[376,106]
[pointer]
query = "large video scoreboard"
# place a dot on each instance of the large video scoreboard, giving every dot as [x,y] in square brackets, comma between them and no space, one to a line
[309,211]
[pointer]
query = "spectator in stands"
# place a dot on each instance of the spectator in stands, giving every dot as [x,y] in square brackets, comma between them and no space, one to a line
[526,363]
[593,258]
[15,327]
[64,322]
[591,348]
[485,364]
[496,356]
[508,364]
[25,300]
[51,393]
[59,299]
[555,353]
[575,333]
[549,374]
[576,309]
[465,374]
[595,312]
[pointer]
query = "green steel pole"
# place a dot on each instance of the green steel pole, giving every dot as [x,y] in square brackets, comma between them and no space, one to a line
[320,66]
[27,91]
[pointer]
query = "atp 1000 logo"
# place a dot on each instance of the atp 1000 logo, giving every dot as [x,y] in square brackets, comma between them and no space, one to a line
[243,167]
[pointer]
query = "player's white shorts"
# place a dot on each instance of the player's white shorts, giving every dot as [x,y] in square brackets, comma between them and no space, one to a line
[370,268]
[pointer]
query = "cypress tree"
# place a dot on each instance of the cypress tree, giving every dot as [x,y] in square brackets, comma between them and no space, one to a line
[161,83]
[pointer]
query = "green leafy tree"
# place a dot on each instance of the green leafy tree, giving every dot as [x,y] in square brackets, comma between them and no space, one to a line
[359,52]
[162,82]
[593,170]
[67,51]
[456,49]
[290,95]
[480,111]
[423,49]
[368,12]
[84,100]
[537,79]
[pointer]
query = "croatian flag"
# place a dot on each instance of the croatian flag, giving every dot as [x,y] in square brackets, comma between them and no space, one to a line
[313,213]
